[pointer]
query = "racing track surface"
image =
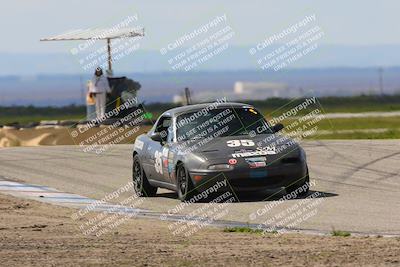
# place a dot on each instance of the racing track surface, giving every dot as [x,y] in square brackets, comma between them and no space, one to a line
[358,182]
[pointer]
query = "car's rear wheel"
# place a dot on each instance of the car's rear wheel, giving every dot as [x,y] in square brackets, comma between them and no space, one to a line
[184,184]
[141,185]
[305,189]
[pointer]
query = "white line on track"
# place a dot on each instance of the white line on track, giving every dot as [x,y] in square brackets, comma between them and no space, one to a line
[56,197]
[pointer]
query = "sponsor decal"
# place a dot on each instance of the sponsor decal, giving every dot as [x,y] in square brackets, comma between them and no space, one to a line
[261,159]
[165,152]
[232,161]
[170,167]
[158,162]
[269,150]
[165,162]
[139,144]
[256,162]
[170,162]
[242,142]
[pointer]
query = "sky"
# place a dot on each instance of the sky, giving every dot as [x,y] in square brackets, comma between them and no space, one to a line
[366,22]
[356,34]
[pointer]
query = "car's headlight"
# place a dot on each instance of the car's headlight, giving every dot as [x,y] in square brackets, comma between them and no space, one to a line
[220,167]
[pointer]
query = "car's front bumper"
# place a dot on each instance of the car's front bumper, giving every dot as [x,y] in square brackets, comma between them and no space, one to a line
[246,179]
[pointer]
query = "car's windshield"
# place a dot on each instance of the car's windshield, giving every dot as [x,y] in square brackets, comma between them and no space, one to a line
[220,122]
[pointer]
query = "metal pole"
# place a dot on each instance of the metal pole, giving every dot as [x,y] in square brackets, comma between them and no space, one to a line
[109,56]
[187,96]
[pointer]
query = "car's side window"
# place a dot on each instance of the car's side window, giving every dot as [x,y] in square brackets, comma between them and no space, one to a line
[162,127]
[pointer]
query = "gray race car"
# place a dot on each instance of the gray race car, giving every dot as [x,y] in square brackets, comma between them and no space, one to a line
[193,147]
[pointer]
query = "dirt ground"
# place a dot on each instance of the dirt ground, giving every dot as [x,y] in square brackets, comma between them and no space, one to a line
[62,136]
[37,234]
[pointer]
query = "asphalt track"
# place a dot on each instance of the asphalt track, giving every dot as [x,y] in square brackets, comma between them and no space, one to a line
[357,182]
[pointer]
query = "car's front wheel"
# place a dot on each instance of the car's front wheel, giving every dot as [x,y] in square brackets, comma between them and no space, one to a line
[141,185]
[184,184]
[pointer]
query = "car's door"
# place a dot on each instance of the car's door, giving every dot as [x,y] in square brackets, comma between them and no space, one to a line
[156,150]
[168,156]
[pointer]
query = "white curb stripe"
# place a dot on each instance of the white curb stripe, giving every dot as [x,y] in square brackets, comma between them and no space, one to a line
[47,194]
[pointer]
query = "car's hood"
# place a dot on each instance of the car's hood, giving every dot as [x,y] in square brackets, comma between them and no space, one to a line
[238,146]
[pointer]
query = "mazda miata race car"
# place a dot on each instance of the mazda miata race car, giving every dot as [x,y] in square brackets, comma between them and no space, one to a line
[193,147]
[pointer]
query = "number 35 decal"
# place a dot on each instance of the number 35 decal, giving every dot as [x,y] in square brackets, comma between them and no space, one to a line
[243,142]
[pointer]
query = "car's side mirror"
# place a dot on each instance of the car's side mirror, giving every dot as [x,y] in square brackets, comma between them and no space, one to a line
[277,127]
[156,137]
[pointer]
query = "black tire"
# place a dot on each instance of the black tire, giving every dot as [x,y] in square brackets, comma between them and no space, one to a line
[184,184]
[141,185]
[295,186]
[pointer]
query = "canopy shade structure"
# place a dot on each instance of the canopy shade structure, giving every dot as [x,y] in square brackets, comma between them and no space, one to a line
[98,34]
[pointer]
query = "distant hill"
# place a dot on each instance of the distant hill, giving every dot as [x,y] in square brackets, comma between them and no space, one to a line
[57,79]
[233,59]
[62,90]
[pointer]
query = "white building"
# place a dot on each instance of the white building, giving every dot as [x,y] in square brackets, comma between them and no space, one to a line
[245,91]
[260,90]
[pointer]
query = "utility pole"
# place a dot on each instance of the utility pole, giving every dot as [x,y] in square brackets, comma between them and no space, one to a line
[187,96]
[109,60]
